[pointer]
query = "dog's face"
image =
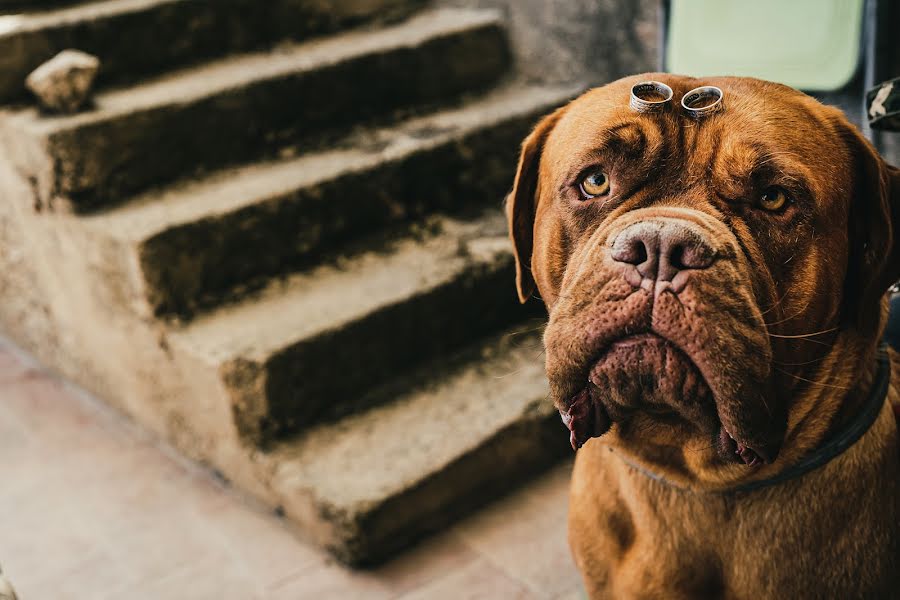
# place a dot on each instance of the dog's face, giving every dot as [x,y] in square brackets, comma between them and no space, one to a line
[695,271]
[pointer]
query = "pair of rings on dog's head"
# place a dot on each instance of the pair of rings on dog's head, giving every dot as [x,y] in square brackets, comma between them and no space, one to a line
[653,96]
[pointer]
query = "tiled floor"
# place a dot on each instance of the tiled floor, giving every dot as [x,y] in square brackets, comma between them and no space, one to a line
[91,508]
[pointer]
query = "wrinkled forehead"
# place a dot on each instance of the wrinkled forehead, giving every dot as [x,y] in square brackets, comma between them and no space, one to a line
[762,124]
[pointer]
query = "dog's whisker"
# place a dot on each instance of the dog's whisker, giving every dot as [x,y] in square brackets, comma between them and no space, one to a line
[510,374]
[810,381]
[800,364]
[814,341]
[774,306]
[794,316]
[519,333]
[803,335]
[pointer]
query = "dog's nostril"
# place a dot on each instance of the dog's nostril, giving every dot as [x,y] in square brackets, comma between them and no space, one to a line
[660,251]
[637,252]
[640,252]
[633,251]
[677,256]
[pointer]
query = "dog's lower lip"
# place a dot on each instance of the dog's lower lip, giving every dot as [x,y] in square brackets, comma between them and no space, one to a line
[749,456]
[584,418]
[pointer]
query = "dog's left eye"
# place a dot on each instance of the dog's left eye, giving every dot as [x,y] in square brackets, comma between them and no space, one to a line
[774,199]
[595,184]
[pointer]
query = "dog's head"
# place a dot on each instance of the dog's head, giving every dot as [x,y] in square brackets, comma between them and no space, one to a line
[697,270]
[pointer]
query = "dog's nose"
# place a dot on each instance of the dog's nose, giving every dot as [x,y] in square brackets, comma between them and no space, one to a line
[661,249]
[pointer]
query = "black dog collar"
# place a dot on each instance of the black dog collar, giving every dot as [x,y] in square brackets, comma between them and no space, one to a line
[832,448]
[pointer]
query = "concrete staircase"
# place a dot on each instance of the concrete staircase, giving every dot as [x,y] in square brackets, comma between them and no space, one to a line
[276,239]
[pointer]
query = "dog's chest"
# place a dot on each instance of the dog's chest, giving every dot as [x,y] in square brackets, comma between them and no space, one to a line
[633,538]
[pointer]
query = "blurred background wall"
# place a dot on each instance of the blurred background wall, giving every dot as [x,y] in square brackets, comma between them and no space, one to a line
[590,41]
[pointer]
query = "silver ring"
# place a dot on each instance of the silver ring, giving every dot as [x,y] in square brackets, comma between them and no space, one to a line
[709,95]
[641,91]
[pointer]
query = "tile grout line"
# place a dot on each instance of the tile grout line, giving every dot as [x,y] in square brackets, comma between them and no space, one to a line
[534,592]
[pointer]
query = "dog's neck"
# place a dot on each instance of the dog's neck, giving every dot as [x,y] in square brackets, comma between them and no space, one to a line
[842,385]
[833,398]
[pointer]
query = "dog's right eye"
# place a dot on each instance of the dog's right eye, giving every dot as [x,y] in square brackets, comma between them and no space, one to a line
[595,184]
[774,199]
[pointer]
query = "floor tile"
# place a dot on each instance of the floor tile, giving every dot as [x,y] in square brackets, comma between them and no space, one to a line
[525,535]
[478,581]
[93,507]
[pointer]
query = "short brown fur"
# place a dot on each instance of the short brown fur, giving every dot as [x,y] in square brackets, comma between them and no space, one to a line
[782,329]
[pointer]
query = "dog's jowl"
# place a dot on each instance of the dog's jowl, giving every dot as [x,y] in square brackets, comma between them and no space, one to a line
[715,280]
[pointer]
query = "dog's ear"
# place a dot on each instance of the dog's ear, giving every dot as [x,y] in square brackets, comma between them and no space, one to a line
[521,204]
[874,231]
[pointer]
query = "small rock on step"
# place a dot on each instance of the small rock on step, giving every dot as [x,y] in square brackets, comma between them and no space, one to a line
[63,83]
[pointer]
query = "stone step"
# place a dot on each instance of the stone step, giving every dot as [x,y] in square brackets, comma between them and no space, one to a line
[18,6]
[195,242]
[161,34]
[310,347]
[468,430]
[238,108]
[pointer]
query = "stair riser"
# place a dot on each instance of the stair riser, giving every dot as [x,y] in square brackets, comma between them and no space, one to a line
[16,6]
[195,265]
[169,33]
[328,376]
[101,163]
[504,461]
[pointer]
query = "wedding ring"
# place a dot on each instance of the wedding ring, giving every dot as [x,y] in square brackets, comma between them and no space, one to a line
[702,101]
[649,96]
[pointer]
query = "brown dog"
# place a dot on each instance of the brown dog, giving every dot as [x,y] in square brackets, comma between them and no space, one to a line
[716,291]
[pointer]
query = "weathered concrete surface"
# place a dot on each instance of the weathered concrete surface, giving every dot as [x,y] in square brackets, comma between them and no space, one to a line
[588,41]
[160,34]
[25,308]
[196,242]
[314,346]
[467,431]
[20,5]
[247,378]
[53,305]
[480,425]
[6,589]
[236,109]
